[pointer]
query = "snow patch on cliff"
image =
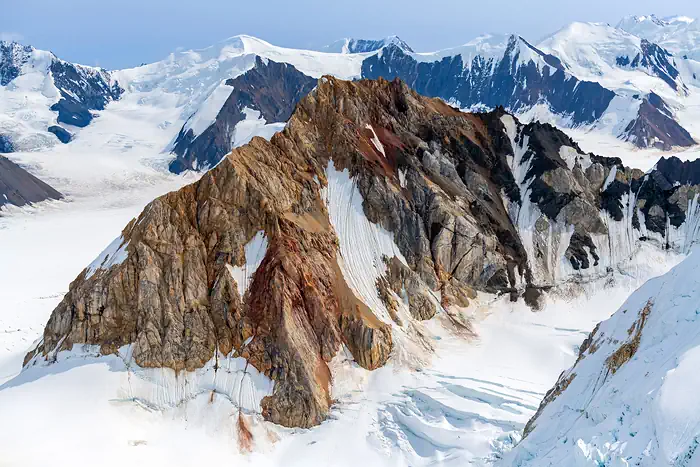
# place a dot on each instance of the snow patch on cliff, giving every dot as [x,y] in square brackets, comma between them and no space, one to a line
[255,251]
[113,255]
[253,125]
[363,244]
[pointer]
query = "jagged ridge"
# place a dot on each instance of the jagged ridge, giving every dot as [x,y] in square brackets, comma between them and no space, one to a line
[471,201]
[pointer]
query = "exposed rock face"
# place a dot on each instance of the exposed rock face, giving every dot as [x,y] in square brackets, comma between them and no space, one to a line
[12,57]
[656,127]
[355,46]
[471,202]
[19,187]
[511,81]
[82,89]
[61,133]
[5,144]
[271,88]
[656,61]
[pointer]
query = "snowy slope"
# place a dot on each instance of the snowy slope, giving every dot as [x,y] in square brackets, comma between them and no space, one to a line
[25,100]
[350,45]
[467,405]
[487,46]
[599,52]
[39,91]
[678,34]
[631,398]
[192,79]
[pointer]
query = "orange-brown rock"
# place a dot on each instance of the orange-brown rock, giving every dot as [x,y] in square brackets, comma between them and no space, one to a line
[435,184]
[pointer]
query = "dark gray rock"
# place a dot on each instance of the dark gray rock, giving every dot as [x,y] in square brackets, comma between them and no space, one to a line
[657,61]
[61,133]
[495,82]
[271,88]
[6,144]
[82,90]
[355,46]
[12,57]
[19,187]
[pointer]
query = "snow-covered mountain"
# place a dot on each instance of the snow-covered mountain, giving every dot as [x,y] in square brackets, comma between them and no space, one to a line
[353,46]
[631,398]
[586,75]
[371,271]
[41,94]
[678,34]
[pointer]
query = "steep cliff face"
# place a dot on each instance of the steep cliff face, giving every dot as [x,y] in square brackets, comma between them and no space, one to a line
[656,127]
[519,78]
[374,208]
[269,89]
[82,90]
[38,90]
[18,187]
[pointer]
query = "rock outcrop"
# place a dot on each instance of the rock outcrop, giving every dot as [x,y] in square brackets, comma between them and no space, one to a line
[656,127]
[18,187]
[81,89]
[61,133]
[518,79]
[270,88]
[368,180]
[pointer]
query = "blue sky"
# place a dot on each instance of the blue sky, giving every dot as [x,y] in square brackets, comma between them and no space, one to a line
[118,34]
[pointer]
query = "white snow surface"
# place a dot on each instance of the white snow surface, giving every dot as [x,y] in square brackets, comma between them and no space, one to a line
[114,254]
[255,251]
[25,102]
[678,34]
[375,141]
[254,125]
[645,413]
[363,244]
[590,52]
[207,112]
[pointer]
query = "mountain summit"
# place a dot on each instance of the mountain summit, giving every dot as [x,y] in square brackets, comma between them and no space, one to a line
[375,208]
[354,46]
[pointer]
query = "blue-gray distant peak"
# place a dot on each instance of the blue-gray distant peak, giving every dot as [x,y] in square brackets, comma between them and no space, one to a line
[354,46]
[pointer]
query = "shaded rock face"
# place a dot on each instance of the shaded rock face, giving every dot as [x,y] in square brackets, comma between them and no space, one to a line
[12,57]
[656,127]
[61,133]
[6,144]
[657,61]
[269,87]
[18,187]
[82,89]
[495,82]
[354,46]
[667,196]
[455,191]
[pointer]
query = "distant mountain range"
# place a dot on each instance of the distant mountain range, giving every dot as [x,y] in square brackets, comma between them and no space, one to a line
[630,81]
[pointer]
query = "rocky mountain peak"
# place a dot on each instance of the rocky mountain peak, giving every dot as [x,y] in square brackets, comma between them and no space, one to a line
[353,46]
[267,93]
[12,56]
[375,208]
